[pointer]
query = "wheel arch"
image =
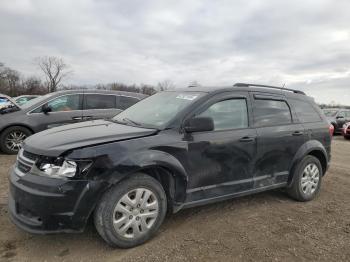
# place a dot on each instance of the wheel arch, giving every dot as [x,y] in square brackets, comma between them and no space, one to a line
[162,166]
[313,148]
[17,124]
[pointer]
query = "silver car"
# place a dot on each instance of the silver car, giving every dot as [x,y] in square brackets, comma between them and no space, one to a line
[59,108]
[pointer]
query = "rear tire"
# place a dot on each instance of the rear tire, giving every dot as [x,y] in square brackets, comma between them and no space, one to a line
[307,179]
[131,212]
[12,138]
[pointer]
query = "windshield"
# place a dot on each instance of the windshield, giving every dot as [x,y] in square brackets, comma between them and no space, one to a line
[330,112]
[34,101]
[157,110]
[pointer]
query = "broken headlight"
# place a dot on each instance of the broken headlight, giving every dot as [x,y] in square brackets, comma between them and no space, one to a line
[61,168]
[67,169]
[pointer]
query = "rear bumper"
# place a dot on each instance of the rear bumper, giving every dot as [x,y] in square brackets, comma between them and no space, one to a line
[46,205]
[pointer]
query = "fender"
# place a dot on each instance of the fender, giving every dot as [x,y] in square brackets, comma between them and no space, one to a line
[305,149]
[119,169]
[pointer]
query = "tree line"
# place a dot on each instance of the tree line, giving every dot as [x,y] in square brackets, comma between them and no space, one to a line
[55,70]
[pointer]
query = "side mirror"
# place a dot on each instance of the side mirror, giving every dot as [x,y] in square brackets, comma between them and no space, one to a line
[46,109]
[199,124]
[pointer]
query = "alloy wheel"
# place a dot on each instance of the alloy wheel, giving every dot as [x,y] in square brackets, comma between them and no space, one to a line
[14,140]
[310,179]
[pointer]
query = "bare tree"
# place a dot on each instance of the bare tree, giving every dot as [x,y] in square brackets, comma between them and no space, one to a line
[55,70]
[165,85]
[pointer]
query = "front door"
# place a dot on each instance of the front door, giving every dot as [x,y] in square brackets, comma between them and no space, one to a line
[65,109]
[220,161]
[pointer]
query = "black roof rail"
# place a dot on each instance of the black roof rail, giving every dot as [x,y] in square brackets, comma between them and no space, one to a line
[274,87]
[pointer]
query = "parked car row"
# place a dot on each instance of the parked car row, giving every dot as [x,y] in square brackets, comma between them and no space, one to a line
[55,109]
[339,118]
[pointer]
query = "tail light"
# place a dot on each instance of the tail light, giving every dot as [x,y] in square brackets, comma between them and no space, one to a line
[331,130]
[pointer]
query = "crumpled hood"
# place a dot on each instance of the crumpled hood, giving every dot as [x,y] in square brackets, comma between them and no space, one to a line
[55,141]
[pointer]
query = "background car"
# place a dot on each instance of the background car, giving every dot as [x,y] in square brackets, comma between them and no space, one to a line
[59,108]
[346,130]
[21,100]
[6,102]
[337,117]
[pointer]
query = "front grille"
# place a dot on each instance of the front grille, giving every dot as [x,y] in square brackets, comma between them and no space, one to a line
[23,167]
[25,162]
[30,156]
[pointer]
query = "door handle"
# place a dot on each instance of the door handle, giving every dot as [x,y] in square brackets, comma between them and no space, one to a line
[77,118]
[247,139]
[88,117]
[298,133]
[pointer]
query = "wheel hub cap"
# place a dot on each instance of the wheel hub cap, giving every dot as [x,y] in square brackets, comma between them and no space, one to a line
[310,179]
[135,213]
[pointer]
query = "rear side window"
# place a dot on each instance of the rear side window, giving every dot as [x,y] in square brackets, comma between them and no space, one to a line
[126,101]
[95,101]
[228,114]
[271,112]
[305,111]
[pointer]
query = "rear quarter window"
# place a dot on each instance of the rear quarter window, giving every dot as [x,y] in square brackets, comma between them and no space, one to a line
[305,111]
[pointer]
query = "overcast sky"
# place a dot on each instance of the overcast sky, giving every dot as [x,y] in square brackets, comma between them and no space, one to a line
[304,44]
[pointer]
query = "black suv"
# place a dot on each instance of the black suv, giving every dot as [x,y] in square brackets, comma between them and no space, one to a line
[173,150]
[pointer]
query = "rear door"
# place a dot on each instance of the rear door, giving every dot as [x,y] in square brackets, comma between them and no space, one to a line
[99,106]
[279,136]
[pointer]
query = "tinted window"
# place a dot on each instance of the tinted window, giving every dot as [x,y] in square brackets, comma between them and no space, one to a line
[63,103]
[305,111]
[271,112]
[95,101]
[228,114]
[126,101]
[341,114]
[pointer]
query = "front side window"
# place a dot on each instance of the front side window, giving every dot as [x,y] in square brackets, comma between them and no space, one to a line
[95,101]
[271,112]
[228,114]
[62,103]
[65,103]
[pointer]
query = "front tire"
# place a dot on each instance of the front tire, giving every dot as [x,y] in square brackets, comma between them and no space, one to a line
[11,139]
[307,179]
[131,212]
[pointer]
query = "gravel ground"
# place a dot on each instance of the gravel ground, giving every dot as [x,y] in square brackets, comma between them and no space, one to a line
[265,227]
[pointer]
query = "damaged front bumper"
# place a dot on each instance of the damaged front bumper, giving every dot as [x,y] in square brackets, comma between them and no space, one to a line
[44,205]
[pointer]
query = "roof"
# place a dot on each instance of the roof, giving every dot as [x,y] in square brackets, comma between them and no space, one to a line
[246,87]
[100,91]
